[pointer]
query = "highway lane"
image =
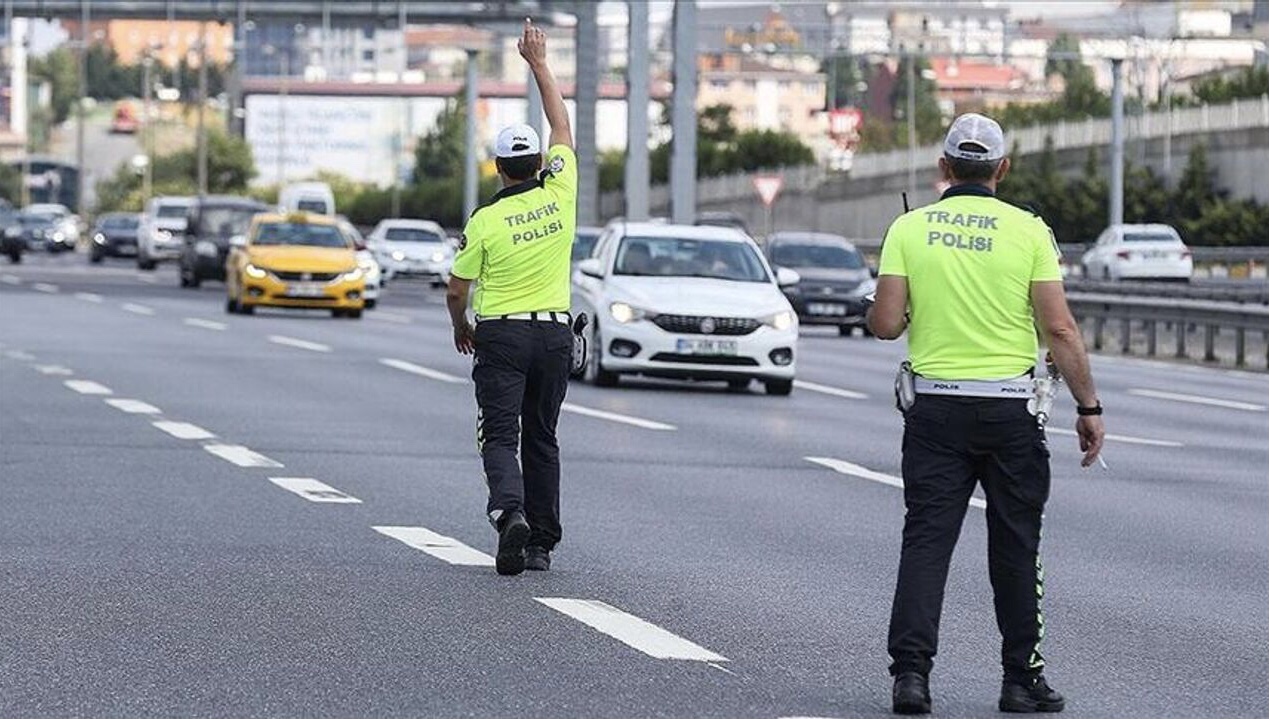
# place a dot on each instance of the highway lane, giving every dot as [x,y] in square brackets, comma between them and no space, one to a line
[718,530]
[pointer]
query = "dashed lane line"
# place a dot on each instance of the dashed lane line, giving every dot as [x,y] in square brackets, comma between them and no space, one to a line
[133,406]
[54,369]
[137,309]
[1119,438]
[390,317]
[313,490]
[421,371]
[183,430]
[855,470]
[205,324]
[298,343]
[85,386]
[19,355]
[147,278]
[44,287]
[89,297]
[444,548]
[631,630]
[240,455]
[1198,399]
[10,279]
[616,417]
[826,389]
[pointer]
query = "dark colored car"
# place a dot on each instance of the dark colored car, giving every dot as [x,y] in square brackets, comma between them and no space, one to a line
[835,278]
[114,235]
[584,242]
[38,230]
[213,221]
[11,243]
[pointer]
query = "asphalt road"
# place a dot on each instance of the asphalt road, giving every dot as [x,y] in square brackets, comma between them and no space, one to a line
[709,568]
[104,151]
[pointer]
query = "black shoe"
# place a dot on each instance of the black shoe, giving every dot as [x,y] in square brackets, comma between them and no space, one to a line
[537,559]
[911,694]
[513,534]
[1029,696]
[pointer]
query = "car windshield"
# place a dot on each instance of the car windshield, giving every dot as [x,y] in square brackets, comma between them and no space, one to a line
[584,244]
[678,257]
[225,222]
[300,233]
[126,222]
[834,257]
[172,211]
[1149,237]
[318,206]
[411,234]
[36,220]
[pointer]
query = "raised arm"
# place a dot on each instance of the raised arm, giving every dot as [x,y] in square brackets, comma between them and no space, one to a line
[533,50]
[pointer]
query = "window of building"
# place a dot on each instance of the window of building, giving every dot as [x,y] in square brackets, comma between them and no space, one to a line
[367,55]
[368,31]
[718,84]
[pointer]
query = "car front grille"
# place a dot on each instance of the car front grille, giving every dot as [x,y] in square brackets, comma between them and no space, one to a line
[305,276]
[692,325]
[705,359]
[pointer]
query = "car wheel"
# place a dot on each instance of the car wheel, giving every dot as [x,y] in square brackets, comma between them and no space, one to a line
[353,314]
[595,372]
[740,384]
[337,313]
[15,257]
[231,306]
[95,258]
[370,304]
[845,330]
[146,264]
[779,387]
[245,309]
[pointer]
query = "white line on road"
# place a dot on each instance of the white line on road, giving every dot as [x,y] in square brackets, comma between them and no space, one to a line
[11,279]
[443,548]
[184,430]
[854,470]
[53,369]
[615,417]
[205,324]
[133,406]
[1196,399]
[421,371]
[240,455]
[19,355]
[313,490]
[88,297]
[1120,438]
[44,287]
[147,278]
[84,386]
[389,317]
[825,389]
[301,344]
[137,309]
[631,630]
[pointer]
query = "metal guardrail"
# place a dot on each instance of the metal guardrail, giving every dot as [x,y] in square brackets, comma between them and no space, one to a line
[1179,315]
[1248,292]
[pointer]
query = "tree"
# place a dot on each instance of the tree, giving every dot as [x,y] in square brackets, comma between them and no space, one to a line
[929,117]
[10,183]
[721,149]
[845,78]
[1248,82]
[59,69]
[230,168]
[442,152]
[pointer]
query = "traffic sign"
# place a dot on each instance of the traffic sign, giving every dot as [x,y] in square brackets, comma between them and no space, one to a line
[768,186]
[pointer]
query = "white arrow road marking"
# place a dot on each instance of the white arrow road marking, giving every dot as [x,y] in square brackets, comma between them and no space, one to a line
[631,630]
[313,490]
[44,287]
[1119,438]
[53,369]
[421,371]
[1196,399]
[89,297]
[205,324]
[301,344]
[825,389]
[854,470]
[615,417]
[137,309]
[133,406]
[443,548]
[240,455]
[84,386]
[184,430]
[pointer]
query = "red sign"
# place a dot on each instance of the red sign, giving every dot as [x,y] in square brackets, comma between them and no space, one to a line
[768,186]
[845,122]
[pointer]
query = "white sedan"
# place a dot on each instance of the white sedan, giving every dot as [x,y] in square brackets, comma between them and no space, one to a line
[366,260]
[412,248]
[1138,252]
[687,302]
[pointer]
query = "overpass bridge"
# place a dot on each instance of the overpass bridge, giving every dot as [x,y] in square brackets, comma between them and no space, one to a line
[383,11]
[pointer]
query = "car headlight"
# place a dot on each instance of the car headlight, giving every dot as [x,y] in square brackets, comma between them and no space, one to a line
[14,231]
[352,275]
[368,266]
[206,248]
[161,235]
[256,272]
[625,313]
[99,238]
[58,236]
[782,320]
[438,256]
[866,287]
[399,256]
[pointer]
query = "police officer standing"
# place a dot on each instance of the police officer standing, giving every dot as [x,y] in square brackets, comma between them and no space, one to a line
[970,278]
[517,247]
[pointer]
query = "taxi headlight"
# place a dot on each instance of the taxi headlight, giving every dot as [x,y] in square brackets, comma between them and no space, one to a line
[399,256]
[625,313]
[781,320]
[206,248]
[256,272]
[99,238]
[352,275]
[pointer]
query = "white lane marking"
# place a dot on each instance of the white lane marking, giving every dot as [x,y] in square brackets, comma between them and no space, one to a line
[19,355]
[184,430]
[1196,399]
[53,369]
[443,548]
[89,297]
[389,317]
[1120,438]
[615,417]
[631,630]
[147,278]
[84,386]
[421,371]
[854,470]
[205,324]
[11,279]
[133,406]
[240,455]
[313,490]
[44,287]
[137,309]
[301,344]
[825,389]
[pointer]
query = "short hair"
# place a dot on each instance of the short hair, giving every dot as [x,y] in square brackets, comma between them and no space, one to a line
[973,170]
[519,168]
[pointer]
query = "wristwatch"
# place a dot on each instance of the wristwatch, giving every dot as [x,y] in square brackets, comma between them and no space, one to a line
[1089,411]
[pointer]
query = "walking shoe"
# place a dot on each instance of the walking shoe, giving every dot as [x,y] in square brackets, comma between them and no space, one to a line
[911,693]
[1029,695]
[537,559]
[512,536]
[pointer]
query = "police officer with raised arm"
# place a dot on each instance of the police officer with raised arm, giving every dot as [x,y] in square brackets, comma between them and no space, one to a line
[517,248]
[970,278]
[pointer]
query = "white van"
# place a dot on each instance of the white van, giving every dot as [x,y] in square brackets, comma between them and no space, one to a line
[313,197]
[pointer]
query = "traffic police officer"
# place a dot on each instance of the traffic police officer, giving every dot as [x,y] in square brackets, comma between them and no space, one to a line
[970,278]
[518,246]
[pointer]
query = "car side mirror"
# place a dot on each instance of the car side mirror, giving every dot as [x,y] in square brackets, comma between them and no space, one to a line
[786,277]
[591,267]
[238,241]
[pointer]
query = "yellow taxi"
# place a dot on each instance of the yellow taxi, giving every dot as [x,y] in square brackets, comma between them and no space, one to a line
[299,260]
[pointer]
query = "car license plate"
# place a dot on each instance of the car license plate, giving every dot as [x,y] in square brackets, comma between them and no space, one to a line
[707,347]
[826,308]
[305,289]
[127,250]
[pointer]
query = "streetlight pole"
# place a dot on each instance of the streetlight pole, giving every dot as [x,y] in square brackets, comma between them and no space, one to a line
[80,183]
[1117,142]
[912,127]
[471,184]
[147,126]
[202,108]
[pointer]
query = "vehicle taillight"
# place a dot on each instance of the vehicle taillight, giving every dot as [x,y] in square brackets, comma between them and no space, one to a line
[1185,254]
[1123,255]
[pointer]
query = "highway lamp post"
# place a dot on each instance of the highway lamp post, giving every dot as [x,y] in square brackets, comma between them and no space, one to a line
[911,112]
[30,138]
[202,108]
[84,16]
[147,124]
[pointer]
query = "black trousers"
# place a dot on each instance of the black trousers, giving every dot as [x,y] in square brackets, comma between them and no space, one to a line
[521,375]
[949,445]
